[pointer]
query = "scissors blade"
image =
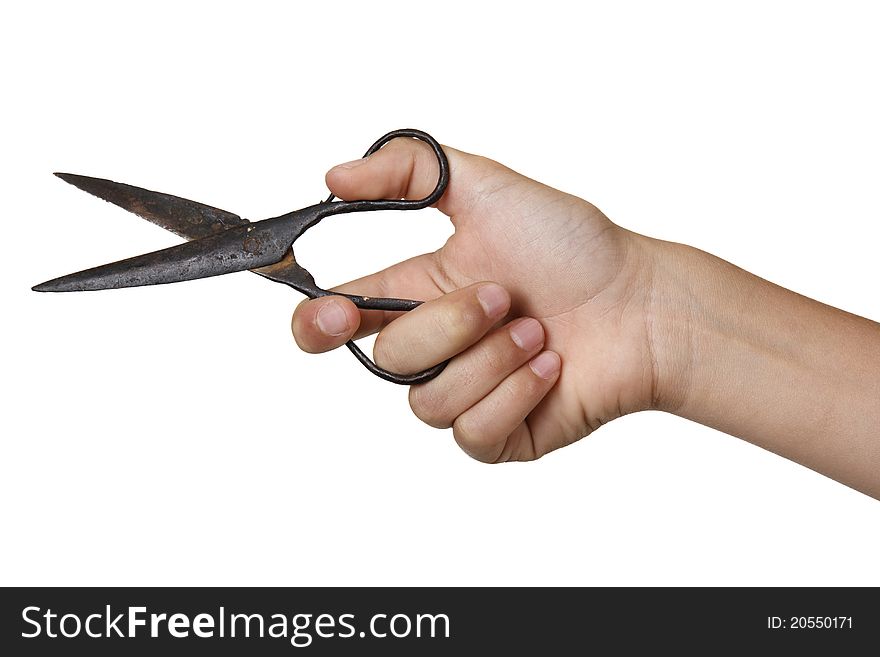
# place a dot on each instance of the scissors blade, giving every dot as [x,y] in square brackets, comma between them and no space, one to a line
[245,247]
[181,216]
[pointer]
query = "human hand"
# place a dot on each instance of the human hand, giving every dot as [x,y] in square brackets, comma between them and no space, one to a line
[539,300]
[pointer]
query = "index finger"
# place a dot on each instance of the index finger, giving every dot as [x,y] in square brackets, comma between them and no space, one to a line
[329,322]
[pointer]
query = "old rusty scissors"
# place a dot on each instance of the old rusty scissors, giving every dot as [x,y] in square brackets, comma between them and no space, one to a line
[223,243]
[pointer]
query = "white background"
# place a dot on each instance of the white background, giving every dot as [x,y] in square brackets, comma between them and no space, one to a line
[176,435]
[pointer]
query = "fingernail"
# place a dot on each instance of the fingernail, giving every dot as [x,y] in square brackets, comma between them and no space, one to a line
[527,334]
[545,365]
[494,300]
[351,165]
[331,319]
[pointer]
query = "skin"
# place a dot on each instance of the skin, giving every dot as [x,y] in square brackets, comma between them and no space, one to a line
[558,321]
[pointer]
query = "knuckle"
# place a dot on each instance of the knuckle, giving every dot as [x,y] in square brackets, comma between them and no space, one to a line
[399,145]
[429,405]
[471,438]
[485,166]
[456,322]
[495,358]
[526,386]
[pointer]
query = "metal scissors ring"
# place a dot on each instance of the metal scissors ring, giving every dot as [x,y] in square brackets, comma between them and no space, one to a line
[223,243]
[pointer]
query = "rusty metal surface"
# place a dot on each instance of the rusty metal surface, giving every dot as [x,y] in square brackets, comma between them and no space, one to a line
[231,250]
[223,242]
[181,216]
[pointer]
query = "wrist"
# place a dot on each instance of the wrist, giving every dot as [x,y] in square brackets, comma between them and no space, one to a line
[715,332]
[737,353]
[672,315]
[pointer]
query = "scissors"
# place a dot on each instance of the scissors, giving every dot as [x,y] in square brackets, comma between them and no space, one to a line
[223,243]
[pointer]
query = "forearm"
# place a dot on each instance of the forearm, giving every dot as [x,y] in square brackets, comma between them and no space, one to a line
[752,359]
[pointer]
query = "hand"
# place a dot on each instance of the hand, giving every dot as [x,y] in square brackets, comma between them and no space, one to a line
[539,300]
[557,321]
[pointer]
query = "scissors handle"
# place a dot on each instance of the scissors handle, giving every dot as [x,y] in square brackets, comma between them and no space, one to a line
[384,303]
[399,204]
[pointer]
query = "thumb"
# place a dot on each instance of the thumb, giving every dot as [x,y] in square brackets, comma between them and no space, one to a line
[407,168]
